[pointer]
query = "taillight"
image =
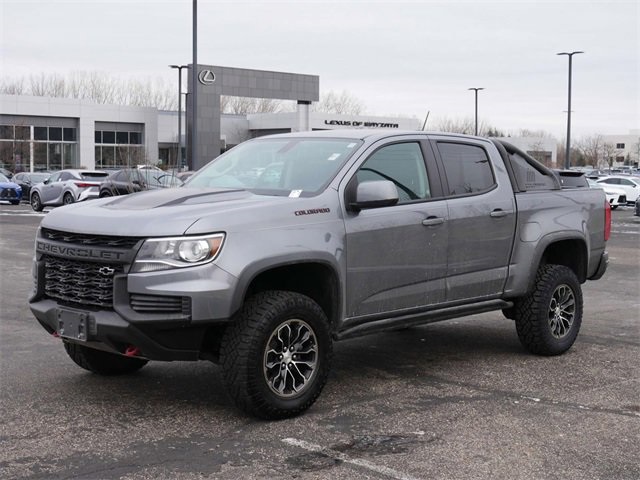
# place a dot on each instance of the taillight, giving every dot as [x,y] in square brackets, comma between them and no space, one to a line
[607,221]
[84,185]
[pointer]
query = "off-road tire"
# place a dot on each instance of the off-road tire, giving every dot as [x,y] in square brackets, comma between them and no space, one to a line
[67,199]
[540,328]
[247,344]
[100,362]
[36,203]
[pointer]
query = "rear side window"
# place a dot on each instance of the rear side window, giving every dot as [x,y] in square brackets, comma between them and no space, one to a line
[529,178]
[467,168]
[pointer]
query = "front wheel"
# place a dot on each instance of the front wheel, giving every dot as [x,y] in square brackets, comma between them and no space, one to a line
[36,203]
[102,363]
[276,356]
[548,319]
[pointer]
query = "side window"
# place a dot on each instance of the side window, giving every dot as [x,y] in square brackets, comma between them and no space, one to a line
[467,168]
[64,176]
[402,164]
[55,177]
[121,176]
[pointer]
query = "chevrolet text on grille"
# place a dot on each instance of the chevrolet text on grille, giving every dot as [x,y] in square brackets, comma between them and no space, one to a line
[74,252]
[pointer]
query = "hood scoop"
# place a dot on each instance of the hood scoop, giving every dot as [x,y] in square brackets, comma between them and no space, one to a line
[175,197]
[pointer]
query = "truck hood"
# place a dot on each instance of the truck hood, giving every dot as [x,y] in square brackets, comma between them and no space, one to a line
[160,212]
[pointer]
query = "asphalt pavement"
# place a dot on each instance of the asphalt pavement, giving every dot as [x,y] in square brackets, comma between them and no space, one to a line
[454,400]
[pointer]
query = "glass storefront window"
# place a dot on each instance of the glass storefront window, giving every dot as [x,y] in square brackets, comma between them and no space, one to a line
[69,134]
[135,138]
[98,137]
[40,156]
[22,132]
[108,137]
[6,132]
[55,156]
[69,150]
[55,133]
[108,157]
[122,137]
[40,133]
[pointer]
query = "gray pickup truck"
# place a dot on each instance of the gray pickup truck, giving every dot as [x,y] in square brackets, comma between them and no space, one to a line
[287,243]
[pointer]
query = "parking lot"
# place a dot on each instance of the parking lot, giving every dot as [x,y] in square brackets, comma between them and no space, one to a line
[453,400]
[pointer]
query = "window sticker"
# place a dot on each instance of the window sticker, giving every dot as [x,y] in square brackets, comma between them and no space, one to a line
[295,193]
[333,157]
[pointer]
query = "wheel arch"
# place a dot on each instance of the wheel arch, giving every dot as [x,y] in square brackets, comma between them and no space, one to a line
[570,252]
[317,279]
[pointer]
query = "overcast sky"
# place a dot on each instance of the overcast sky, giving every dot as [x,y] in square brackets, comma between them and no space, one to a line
[399,58]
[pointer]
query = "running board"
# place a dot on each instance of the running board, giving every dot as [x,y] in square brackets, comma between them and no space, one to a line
[421,318]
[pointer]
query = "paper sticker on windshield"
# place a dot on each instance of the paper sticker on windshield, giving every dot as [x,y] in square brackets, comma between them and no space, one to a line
[351,145]
[295,193]
[333,157]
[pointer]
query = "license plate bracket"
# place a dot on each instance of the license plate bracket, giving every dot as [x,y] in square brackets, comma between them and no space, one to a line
[73,325]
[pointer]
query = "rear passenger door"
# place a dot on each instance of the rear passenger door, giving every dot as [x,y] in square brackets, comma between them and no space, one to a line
[482,217]
[396,255]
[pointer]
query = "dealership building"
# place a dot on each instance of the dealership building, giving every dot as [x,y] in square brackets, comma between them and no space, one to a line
[40,133]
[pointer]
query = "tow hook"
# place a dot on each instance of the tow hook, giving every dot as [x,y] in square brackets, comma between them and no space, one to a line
[132,351]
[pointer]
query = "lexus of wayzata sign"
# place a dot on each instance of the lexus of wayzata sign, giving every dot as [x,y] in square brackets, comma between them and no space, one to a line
[206,77]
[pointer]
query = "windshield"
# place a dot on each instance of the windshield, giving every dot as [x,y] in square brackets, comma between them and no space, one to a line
[39,177]
[93,175]
[279,166]
[3,179]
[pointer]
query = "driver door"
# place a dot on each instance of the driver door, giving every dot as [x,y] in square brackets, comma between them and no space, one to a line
[397,255]
[51,190]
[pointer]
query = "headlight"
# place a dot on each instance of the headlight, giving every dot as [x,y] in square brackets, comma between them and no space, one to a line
[176,252]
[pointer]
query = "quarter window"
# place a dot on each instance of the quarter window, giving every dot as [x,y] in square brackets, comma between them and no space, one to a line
[467,168]
[402,164]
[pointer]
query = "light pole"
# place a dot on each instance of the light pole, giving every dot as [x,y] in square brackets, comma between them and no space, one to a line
[179,157]
[567,158]
[194,161]
[476,90]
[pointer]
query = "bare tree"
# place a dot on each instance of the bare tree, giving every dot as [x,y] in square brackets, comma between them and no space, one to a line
[12,86]
[467,126]
[343,103]
[95,86]
[610,153]
[591,148]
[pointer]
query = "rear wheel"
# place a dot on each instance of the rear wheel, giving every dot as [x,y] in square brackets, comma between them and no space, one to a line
[276,356]
[102,363]
[548,319]
[36,204]
[105,193]
[67,199]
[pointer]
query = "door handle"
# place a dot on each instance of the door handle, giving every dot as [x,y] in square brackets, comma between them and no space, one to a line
[499,213]
[432,221]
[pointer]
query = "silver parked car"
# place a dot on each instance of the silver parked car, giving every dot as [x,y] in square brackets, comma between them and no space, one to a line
[66,187]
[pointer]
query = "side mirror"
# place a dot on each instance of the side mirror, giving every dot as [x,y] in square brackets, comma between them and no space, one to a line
[374,194]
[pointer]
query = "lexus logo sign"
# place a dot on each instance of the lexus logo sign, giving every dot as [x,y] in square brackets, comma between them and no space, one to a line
[206,77]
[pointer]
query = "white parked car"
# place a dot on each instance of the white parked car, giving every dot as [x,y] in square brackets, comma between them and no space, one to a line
[66,187]
[615,196]
[630,185]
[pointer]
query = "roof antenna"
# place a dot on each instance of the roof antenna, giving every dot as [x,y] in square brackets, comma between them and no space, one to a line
[425,120]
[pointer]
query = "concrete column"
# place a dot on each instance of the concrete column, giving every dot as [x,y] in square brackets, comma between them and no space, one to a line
[303,124]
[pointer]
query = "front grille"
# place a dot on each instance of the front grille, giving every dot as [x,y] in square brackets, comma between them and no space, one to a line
[80,283]
[8,193]
[143,303]
[93,240]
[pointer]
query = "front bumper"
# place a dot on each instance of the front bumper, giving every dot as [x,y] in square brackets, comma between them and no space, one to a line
[137,322]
